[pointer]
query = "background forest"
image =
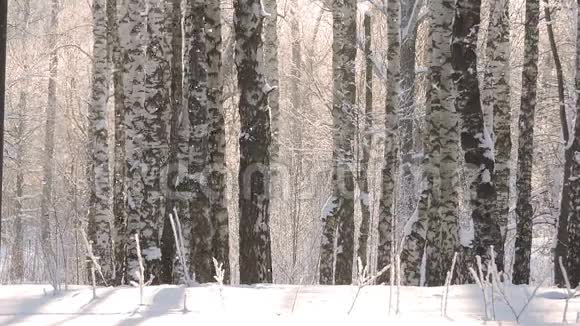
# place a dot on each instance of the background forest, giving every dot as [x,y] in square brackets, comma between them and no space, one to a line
[293,141]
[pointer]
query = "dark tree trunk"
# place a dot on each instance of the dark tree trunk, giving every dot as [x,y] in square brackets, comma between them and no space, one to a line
[201,253]
[524,210]
[573,180]
[496,99]
[338,216]
[176,202]
[475,139]
[366,146]
[562,235]
[255,138]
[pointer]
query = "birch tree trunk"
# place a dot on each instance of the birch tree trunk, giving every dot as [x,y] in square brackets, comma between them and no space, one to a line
[415,238]
[573,259]
[3,35]
[277,202]
[475,138]
[17,262]
[297,157]
[119,164]
[366,146]
[177,200]
[387,226]
[201,253]
[338,214]
[153,135]
[255,139]
[496,99]
[408,196]
[131,32]
[524,211]
[217,138]
[562,237]
[99,231]
[48,160]
[443,231]
[562,225]
[272,74]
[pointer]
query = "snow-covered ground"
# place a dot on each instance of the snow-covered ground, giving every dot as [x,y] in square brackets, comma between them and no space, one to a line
[269,305]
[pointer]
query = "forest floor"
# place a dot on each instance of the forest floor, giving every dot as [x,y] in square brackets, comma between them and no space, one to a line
[273,305]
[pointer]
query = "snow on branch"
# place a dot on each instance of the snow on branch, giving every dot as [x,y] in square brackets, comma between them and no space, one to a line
[178,235]
[92,257]
[363,279]
[570,293]
[263,12]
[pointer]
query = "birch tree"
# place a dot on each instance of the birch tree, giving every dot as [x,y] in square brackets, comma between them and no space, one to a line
[99,232]
[573,259]
[363,181]
[338,214]
[119,158]
[17,262]
[22,129]
[443,232]
[131,32]
[201,252]
[413,248]
[177,200]
[524,210]
[386,250]
[272,76]
[409,25]
[3,35]
[562,236]
[475,138]
[255,138]
[496,99]
[152,134]
[48,159]
[217,137]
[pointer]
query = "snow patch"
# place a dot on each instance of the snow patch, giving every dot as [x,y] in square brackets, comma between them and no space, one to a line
[329,206]
[152,253]
[466,235]
[485,176]
[577,157]
[263,12]
[268,304]
[364,198]
[364,7]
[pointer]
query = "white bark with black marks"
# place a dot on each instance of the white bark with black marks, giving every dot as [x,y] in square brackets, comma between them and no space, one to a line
[443,231]
[99,230]
[131,34]
[387,225]
[217,173]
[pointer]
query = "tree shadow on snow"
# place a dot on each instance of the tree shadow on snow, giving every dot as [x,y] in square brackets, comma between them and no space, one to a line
[165,301]
[33,307]
[85,309]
